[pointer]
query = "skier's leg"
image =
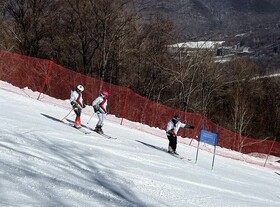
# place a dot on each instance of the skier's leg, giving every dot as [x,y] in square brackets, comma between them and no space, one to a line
[170,145]
[77,122]
[100,119]
[99,123]
[78,117]
[175,144]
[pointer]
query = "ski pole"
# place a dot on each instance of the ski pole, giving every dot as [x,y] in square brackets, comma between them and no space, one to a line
[67,115]
[90,117]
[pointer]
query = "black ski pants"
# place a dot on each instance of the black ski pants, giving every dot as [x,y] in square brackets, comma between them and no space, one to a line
[172,142]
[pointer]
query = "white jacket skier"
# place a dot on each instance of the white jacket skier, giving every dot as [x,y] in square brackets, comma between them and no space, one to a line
[100,108]
[77,102]
[172,129]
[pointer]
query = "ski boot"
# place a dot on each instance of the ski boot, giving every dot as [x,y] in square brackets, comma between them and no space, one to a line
[170,150]
[77,122]
[98,129]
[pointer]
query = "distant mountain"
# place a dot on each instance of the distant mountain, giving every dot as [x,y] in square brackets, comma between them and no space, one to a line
[215,18]
[251,23]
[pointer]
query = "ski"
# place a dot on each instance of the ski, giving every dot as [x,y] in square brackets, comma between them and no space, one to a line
[164,150]
[68,123]
[81,129]
[172,154]
[176,155]
[107,136]
[91,129]
[180,157]
[104,135]
[277,173]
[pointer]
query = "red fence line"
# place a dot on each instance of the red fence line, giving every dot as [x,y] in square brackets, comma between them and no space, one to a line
[56,81]
[46,78]
[124,105]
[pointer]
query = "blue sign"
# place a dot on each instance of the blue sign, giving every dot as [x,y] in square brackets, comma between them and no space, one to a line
[208,137]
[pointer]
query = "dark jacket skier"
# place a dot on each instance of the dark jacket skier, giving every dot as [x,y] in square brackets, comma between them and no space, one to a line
[172,129]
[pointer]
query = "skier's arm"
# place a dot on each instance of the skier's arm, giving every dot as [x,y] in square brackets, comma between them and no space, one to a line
[101,105]
[73,100]
[84,104]
[95,104]
[188,126]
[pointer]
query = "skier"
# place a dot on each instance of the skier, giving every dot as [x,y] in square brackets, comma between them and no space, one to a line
[77,103]
[100,108]
[171,131]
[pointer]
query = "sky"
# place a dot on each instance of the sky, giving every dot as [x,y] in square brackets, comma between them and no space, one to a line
[47,163]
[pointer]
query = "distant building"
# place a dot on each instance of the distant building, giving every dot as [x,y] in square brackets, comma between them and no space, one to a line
[244,51]
[223,51]
[191,46]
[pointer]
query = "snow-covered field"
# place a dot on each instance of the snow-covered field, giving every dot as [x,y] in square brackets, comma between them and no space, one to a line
[47,163]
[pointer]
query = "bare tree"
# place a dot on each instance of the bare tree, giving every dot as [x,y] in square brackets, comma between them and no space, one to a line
[78,36]
[30,24]
[196,78]
[6,42]
[114,20]
[97,32]
[151,56]
[241,93]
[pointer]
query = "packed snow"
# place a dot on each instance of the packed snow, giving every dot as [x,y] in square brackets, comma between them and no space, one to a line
[45,162]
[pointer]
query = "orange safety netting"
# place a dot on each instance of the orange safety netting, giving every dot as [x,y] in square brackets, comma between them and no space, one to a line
[54,80]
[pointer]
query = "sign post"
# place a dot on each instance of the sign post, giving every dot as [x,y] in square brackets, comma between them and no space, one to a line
[208,138]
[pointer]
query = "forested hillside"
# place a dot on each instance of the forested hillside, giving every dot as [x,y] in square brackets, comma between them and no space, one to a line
[126,42]
[253,23]
[216,18]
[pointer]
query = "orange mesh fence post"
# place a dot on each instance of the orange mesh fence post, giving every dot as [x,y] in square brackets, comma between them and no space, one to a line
[47,77]
[269,153]
[124,105]
[101,85]
[197,128]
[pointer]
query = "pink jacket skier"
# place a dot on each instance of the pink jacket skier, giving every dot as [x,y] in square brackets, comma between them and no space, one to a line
[100,108]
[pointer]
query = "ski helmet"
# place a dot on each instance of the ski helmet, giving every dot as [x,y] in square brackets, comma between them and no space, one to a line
[105,93]
[176,118]
[80,88]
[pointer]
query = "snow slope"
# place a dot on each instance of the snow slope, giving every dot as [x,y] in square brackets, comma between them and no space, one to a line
[47,163]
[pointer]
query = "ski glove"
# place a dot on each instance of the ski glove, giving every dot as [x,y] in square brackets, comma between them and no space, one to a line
[84,104]
[74,104]
[191,127]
